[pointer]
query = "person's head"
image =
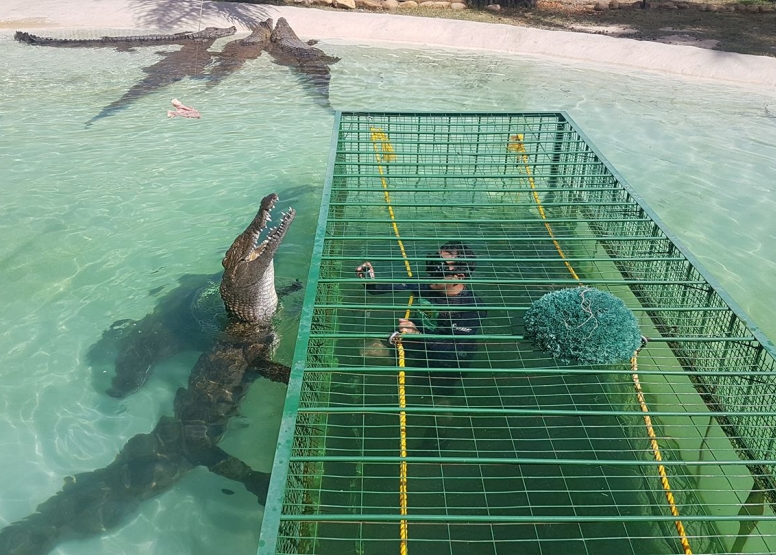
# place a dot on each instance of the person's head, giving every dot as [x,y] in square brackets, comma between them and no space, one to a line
[453,262]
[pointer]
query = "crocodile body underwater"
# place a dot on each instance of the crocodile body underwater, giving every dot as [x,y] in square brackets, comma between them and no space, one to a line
[149,464]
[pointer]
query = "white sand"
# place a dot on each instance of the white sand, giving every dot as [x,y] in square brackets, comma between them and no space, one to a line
[179,15]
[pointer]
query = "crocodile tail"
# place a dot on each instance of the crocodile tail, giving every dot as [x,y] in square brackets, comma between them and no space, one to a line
[28,537]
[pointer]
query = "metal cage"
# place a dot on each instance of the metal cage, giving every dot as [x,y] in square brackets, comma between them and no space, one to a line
[672,452]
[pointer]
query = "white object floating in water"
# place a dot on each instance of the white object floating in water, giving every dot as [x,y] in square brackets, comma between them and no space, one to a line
[182,110]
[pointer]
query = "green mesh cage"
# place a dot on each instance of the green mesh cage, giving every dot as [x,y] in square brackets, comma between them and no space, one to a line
[671,452]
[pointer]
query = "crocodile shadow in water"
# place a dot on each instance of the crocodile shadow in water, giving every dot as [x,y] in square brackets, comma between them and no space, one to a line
[190,61]
[149,464]
[194,58]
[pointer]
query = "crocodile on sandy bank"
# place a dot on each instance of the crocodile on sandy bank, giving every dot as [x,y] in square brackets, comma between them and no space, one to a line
[130,41]
[149,464]
[312,64]
[286,48]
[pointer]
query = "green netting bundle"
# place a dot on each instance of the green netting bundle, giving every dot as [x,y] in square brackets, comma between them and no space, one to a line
[583,325]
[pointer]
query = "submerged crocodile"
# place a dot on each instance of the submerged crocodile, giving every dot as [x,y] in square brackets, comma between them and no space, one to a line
[195,57]
[149,464]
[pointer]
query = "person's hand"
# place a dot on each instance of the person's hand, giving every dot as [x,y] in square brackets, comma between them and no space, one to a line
[407,326]
[365,270]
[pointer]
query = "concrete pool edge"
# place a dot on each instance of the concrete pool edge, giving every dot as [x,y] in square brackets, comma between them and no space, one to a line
[687,61]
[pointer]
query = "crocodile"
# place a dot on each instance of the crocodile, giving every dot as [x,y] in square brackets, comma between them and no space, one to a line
[149,464]
[286,48]
[293,51]
[235,53]
[195,59]
[190,61]
[311,63]
[129,42]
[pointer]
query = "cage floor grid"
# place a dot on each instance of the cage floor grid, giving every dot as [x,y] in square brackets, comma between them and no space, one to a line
[670,452]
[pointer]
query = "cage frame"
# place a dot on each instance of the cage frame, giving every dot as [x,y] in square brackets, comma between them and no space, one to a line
[618,238]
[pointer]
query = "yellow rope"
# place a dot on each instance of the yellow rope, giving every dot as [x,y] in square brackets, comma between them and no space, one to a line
[516,145]
[403,527]
[384,153]
[659,457]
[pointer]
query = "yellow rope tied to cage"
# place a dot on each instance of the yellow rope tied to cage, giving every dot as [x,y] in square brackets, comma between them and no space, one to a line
[516,145]
[384,153]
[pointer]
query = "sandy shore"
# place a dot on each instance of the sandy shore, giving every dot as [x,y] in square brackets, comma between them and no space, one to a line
[38,15]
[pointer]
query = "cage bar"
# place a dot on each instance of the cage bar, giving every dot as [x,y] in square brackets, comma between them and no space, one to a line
[670,453]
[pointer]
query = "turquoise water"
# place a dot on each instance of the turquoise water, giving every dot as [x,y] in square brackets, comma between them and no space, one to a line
[98,223]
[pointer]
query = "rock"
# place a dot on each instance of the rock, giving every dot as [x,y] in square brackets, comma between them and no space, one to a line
[712,8]
[614,5]
[346,4]
[682,5]
[375,349]
[390,4]
[457,6]
[409,5]
[751,8]
[766,9]
[493,8]
[322,2]
[600,6]
[439,4]
[369,4]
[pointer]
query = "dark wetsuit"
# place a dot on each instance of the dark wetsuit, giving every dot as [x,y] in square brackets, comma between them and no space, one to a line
[433,312]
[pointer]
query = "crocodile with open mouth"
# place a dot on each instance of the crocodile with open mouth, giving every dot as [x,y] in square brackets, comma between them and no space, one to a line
[149,464]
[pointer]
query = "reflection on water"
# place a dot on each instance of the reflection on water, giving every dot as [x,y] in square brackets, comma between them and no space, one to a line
[98,224]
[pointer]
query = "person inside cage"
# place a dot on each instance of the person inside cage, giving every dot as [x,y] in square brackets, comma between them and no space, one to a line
[447,308]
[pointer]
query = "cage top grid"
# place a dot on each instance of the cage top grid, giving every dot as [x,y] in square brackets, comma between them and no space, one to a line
[671,456]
